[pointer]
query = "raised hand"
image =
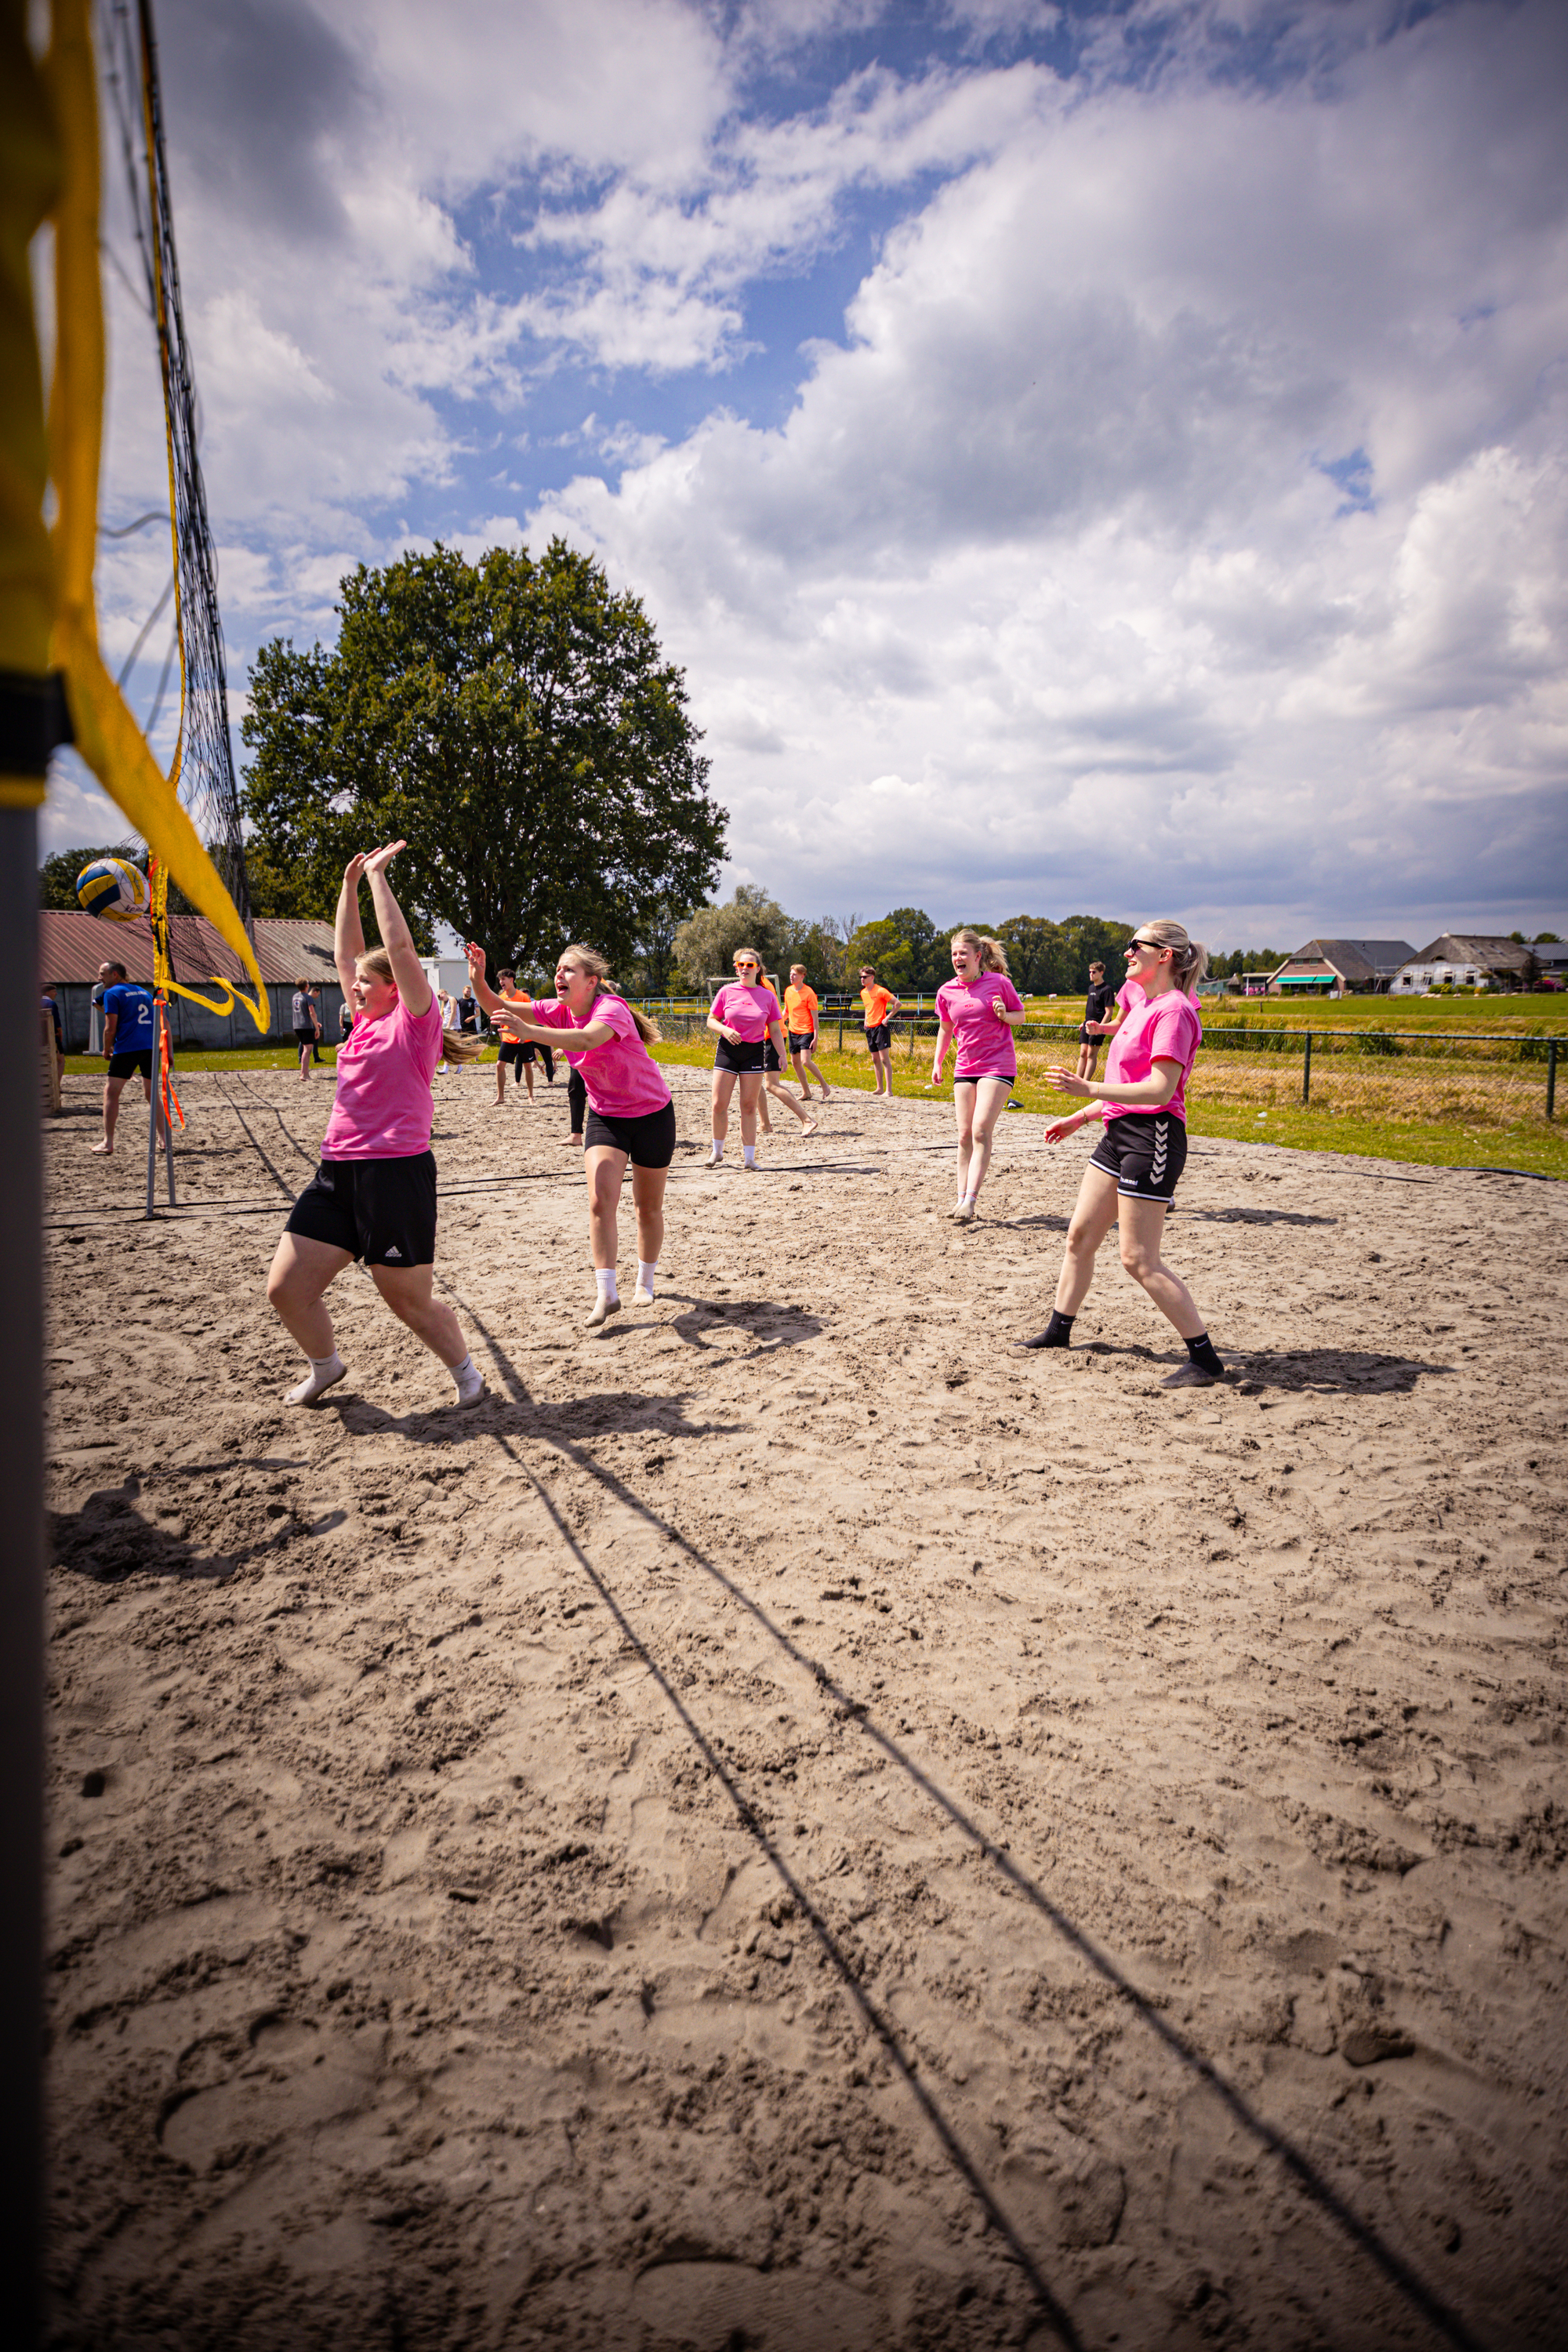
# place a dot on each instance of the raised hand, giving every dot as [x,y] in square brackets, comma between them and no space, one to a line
[378,860]
[1067,1081]
[476,959]
[353,871]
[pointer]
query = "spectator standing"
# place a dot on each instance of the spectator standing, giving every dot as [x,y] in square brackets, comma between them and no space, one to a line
[880,1005]
[130,1035]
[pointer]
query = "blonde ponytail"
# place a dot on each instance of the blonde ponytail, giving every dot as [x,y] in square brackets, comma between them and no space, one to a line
[992,953]
[590,960]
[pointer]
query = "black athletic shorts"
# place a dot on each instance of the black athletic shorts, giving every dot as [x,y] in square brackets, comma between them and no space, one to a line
[576,1098]
[648,1141]
[972,1077]
[802,1044]
[1084,1037]
[771,1058]
[742,1058]
[123,1066]
[381,1210]
[881,1039]
[515,1052]
[1145,1152]
[304,1036]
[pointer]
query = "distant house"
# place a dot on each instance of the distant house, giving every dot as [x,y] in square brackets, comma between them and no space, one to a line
[1467,962]
[1343,968]
[71,946]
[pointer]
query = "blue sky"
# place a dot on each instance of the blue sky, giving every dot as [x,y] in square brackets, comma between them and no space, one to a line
[1101,458]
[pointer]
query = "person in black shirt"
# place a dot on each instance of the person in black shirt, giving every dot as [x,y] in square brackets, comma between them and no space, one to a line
[1100,1017]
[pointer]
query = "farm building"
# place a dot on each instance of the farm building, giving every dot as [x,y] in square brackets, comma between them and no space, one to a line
[71,946]
[1468,962]
[1341,968]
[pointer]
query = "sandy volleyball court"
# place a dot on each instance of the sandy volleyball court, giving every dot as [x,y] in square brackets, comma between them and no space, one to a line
[793,1825]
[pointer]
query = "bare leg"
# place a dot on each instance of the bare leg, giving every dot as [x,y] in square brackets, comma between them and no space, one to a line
[751,1087]
[304,1061]
[884,1067]
[303,1272]
[647,1197]
[1093,1215]
[501,1082]
[112,1090]
[781,1093]
[528,1075]
[724,1088]
[409,1291]
[991,1096]
[605,1168]
[1143,1226]
[963,1119]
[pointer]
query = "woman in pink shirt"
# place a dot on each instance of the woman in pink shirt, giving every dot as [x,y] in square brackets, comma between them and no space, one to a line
[1132,1174]
[980,1008]
[630,1116]
[374,1195]
[742,1016]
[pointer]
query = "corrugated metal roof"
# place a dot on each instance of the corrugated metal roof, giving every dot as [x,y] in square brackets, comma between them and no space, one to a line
[72,944]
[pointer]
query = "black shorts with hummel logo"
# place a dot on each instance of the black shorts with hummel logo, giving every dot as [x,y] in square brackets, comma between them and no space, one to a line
[1145,1152]
[381,1210]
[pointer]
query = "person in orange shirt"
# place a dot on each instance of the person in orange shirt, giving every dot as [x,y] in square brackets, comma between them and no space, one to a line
[772,1079]
[521,1056]
[800,1027]
[880,1005]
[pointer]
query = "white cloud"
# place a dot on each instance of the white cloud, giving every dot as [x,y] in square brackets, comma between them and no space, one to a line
[1180,511]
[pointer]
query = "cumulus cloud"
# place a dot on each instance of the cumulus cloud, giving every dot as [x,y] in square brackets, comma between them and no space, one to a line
[1170,515]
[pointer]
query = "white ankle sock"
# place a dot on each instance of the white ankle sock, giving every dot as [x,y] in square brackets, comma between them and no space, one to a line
[718,1148]
[324,1374]
[749,1154]
[469,1380]
[646,1269]
[605,1276]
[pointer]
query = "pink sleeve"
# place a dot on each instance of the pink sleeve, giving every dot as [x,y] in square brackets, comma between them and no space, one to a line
[1010,996]
[716,1010]
[777,1013]
[614,1015]
[549,1015]
[1170,1034]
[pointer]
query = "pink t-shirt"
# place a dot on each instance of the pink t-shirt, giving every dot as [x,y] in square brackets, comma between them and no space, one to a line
[749,1010]
[383,1107]
[622,1078]
[1164,1028]
[983,1044]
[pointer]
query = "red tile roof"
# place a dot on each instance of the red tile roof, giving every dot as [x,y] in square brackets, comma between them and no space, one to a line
[71,946]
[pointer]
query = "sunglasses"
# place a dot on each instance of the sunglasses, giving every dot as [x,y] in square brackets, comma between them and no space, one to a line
[741,964]
[1150,946]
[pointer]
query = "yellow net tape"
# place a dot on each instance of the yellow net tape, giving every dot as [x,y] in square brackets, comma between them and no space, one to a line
[48,617]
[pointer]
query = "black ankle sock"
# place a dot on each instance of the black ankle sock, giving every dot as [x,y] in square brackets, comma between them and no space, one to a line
[1202,1352]
[1058,1333]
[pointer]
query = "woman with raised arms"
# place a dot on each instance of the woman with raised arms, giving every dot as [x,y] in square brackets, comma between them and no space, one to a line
[630,1114]
[743,1015]
[374,1195]
[1132,1175]
[980,1008]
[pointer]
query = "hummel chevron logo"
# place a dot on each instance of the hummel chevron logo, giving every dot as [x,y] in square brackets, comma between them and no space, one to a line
[1161,1146]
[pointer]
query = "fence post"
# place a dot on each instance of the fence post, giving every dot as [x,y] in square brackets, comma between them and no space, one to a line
[911,1052]
[1551,1076]
[1307,1070]
[841,1031]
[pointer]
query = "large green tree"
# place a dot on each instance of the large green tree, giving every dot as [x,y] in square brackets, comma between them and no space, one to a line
[515,722]
[705,943]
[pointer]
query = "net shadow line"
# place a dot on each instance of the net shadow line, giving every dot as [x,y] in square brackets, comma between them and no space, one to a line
[1318,2190]
[256,1141]
[958,2156]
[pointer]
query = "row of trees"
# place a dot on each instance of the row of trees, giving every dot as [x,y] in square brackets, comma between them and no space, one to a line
[910,953]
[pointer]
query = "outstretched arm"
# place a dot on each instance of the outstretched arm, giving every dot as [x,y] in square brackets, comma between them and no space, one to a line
[395,936]
[483,991]
[348,931]
[1148,1093]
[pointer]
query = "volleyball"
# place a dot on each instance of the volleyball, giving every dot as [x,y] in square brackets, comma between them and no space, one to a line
[114,889]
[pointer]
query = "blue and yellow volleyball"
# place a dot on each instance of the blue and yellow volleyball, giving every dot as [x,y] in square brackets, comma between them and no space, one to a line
[114,889]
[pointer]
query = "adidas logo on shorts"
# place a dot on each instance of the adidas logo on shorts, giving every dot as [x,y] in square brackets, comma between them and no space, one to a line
[395,1252]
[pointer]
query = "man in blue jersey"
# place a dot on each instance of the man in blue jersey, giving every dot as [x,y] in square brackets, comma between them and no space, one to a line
[129,1037]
